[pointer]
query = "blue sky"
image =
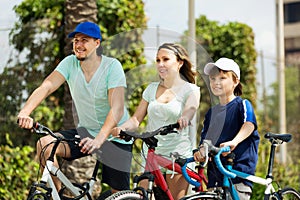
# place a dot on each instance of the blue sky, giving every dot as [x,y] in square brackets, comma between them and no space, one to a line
[172,15]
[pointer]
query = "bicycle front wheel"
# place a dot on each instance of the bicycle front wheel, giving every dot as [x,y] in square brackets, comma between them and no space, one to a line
[289,194]
[125,194]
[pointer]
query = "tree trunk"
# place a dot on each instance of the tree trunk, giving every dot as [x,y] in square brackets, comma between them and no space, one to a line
[79,170]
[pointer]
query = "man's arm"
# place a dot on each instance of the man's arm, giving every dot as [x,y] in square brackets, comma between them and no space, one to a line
[116,102]
[49,85]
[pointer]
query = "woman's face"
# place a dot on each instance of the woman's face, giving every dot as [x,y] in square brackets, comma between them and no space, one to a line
[167,64]
[222,84]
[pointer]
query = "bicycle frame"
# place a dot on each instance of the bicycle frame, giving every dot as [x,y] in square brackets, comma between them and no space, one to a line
[235,173]
[46,178]
[255,179]
[47,183]
[153,164]
[230,173]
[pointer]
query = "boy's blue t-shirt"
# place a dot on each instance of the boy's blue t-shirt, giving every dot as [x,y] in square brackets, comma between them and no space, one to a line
[221,124]
[91,98]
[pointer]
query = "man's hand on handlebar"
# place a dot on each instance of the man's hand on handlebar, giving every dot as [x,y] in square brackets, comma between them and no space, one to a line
[115,132]
[89,145]
[25,121]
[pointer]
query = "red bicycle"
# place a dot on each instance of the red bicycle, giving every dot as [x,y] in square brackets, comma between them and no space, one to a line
[153,174]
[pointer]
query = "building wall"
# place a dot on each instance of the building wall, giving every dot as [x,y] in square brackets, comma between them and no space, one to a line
[292,31]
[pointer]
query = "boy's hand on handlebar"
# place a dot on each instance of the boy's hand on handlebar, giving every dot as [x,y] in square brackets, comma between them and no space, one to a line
[231,144]
[199,156]
[25,121]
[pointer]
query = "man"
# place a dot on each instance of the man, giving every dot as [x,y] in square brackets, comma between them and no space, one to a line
[97,85]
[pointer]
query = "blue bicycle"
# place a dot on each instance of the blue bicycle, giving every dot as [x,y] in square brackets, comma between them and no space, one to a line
[228,190]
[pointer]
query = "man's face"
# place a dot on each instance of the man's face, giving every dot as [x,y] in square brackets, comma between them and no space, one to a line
[84,46]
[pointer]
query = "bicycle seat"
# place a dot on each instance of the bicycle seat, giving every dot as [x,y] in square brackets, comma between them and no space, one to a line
[283,137]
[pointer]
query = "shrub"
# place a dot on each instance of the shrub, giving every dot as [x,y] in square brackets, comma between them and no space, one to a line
[18,170]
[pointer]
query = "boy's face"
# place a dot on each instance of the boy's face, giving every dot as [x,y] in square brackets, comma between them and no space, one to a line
[222,83]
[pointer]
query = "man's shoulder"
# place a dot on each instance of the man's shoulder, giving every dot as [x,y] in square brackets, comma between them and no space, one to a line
[110,62]
[108,58]
[70,57]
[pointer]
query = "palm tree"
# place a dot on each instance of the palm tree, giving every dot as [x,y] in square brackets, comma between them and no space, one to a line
[76,11]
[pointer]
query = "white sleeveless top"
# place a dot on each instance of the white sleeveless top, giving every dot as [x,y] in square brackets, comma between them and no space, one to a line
[161,114]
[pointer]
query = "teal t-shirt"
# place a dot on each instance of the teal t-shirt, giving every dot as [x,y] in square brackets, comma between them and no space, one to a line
[91,98]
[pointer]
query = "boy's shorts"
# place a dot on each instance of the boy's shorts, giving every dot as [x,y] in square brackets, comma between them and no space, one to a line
[115,158]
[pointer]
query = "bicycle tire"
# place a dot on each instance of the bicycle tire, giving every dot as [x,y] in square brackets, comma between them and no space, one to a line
[125,195]
[159,193]
[38,196]
[289,194]
[203,196]
[284,194]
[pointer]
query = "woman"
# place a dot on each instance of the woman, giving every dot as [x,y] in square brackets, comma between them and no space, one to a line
[174,99]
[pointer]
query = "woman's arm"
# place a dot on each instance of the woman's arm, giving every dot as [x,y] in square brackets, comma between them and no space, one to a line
[190,108]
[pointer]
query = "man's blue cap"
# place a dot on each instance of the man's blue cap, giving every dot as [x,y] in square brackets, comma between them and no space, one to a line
[87,28]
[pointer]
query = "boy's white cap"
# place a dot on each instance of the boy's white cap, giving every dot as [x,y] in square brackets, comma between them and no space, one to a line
[225,64]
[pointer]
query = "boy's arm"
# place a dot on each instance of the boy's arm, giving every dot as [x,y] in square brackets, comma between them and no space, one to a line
[245,131]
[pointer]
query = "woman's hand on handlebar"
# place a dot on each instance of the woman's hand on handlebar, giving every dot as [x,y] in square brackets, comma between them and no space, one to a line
[183,122]
[25,121]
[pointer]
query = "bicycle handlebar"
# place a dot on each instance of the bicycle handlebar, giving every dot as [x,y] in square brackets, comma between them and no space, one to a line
[185,174]
[44,130]
[217,154]
[220,165]
[127,135]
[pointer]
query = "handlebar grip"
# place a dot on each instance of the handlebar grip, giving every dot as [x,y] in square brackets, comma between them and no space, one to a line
[172,126]
[125,136]
[185,174]
[220,165]
[36,125]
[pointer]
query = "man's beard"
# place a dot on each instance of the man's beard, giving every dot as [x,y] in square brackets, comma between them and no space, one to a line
[80,59]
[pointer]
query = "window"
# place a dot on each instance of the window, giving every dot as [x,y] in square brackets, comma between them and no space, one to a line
[292,12]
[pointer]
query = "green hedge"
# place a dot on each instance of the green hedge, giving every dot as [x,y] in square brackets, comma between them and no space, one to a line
[18,170]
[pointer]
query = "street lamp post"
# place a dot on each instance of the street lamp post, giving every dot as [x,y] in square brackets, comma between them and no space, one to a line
[281,77]
[192,52]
